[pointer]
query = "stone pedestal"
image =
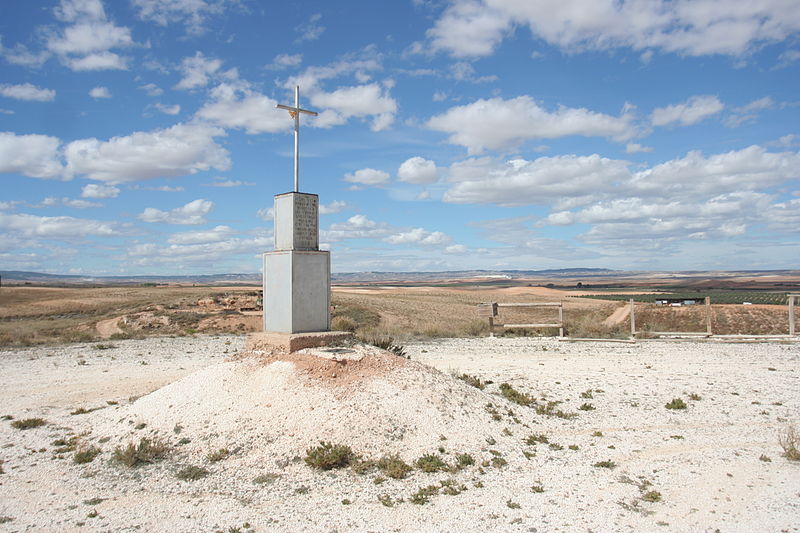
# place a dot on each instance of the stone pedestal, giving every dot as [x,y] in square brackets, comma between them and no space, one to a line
[297,275]
[297,291]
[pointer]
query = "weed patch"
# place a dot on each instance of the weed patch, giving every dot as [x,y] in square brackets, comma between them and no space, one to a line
[328,456]
[145,452]
[28,423]
[431,463]
[605,464]
[790,442]
[85,455]
[394,467]
[191,473]
[473,380]
[676,403]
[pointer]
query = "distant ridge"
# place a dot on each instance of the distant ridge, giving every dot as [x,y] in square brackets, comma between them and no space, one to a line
[16,277]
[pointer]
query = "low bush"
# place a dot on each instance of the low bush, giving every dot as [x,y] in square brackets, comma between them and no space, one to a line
[394,467]
[28,423]
[85,454]
[328,456]
[145,452]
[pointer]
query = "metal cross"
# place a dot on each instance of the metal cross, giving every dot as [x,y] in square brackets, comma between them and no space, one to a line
[295,113]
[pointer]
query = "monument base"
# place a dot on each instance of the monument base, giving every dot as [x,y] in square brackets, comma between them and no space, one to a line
[297,289]
[292,342]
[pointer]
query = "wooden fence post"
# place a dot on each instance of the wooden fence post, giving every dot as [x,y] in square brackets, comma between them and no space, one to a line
[791,313]
[633,320]
[708,315]
[561,319]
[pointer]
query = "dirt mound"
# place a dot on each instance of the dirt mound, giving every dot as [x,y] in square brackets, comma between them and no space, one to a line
[273,407]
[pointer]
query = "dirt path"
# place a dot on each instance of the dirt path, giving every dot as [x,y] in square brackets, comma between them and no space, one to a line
[618,316]
[107,328]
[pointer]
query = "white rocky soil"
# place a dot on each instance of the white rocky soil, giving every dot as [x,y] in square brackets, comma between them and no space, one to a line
[715,465]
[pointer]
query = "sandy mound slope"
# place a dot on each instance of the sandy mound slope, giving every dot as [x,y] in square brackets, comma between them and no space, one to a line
[272,407]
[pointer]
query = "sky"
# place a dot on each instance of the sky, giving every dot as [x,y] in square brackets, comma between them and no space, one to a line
[141,137]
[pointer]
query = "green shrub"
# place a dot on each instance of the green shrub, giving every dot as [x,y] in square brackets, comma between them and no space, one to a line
[472,380]
[464,460]
[394,467]
[586,407]
[511,394]
[676,403]
[605,464]
[328,456]
[431,463]
[145,452]
[652,496]
[28,423]
[424,494]
[85,455]
[537,438]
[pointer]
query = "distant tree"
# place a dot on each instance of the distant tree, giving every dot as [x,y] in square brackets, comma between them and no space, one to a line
[579,285]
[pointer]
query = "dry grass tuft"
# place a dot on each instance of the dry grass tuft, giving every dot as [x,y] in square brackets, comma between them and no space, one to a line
[790,442]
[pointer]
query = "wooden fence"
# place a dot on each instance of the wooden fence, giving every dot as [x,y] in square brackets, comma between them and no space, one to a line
[490,310]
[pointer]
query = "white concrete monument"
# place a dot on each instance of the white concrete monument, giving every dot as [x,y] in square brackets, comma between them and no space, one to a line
[297,275]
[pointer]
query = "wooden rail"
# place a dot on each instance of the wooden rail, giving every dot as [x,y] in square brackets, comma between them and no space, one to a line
[490,311]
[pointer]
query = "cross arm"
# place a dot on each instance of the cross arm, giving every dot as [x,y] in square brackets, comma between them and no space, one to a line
[296,110]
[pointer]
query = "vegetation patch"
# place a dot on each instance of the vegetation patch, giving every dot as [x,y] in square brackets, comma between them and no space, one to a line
[191,473]
[394,467]
[28,423]
[473,380]
[145,452]
[431,463]
[85,455]
[790,442]
[605,464]
[513,395]
[328,456]
[676,403]
[218,455]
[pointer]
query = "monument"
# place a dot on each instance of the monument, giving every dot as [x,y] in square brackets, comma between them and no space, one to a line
[297,274]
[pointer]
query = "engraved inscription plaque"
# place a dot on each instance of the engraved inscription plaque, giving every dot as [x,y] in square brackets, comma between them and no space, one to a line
[306,222]
[297,221]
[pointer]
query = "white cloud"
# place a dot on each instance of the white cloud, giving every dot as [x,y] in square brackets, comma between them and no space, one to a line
[99,61]
[267,214]
[357,101]
[221,182]
[26,91]
[418,170]
[356,227]
[469,28]
[368,176]
[284,61]
[6,111]
[504,124]
[422,195]
[574,181]
[193,14]
[36,156]
[168,109]
[55,227]
[202,254]
[748,113]
[419,236]
[311,30]
[217,234]
[538,182]
[176,151]
[636,148]
[96,190]
[455,249]
[69,202]
[152,89]
[85,44]
[197,71]
[236,106]
[337,206]
[751,168]
[692,111]
[191,214]
[100,92]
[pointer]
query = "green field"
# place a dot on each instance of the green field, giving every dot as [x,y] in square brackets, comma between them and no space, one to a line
[717,297]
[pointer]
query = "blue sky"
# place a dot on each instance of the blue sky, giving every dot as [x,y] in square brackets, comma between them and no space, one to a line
[141,136]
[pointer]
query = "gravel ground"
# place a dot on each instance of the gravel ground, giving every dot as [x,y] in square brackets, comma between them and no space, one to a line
[715,465]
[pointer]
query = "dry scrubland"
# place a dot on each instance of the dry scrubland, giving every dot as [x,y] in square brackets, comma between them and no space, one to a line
[157,425]
[35,315]
[504,434]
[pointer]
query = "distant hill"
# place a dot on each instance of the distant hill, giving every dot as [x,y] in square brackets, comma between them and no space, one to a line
[558,276]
